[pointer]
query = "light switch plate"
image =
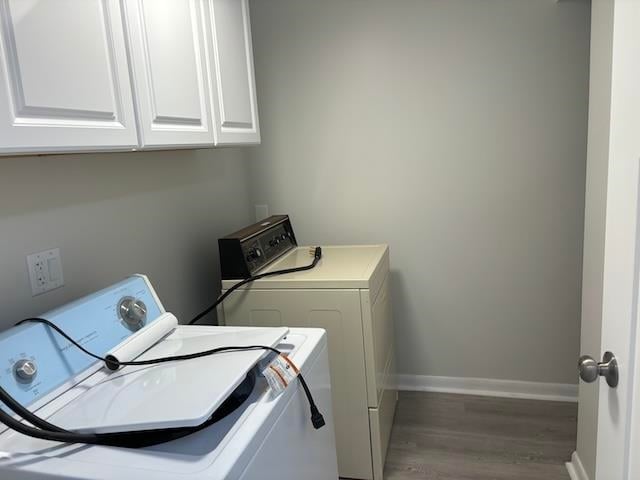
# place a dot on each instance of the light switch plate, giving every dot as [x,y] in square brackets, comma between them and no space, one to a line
[45,271]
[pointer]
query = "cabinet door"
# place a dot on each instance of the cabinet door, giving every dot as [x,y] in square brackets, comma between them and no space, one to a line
[168,54]
[64,77]
[231,73]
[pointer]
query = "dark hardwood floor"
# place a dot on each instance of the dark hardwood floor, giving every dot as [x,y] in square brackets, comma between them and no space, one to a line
[461,437]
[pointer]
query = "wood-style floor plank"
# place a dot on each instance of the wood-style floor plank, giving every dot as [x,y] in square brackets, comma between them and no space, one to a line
[440,436]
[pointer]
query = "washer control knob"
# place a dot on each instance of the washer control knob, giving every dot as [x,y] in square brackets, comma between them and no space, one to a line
[133,312]
[25,370]
[283,236]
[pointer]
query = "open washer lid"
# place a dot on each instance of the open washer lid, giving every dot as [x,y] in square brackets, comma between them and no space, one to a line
[175,394]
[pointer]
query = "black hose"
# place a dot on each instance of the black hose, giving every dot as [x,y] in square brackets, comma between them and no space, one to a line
[46,431]
[317,255]
[131,439]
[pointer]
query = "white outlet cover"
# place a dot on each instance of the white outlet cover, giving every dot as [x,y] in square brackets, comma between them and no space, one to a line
[45,271]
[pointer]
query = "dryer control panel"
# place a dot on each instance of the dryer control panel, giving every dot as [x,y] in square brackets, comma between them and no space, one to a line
[36,361]
[247,251]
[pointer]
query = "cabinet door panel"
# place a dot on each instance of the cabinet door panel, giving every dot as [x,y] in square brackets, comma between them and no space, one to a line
[64,77]
[169,64]
[232,75]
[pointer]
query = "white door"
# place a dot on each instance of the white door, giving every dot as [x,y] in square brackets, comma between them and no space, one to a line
[64,78]
[614,140]
[168,54]
[231,71]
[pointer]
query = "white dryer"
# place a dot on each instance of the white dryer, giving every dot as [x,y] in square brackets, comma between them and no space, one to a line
[347,294]
[263,437]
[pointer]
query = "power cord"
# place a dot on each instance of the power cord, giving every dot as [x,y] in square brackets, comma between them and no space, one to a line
[44,430]
[131,439]
[317,255]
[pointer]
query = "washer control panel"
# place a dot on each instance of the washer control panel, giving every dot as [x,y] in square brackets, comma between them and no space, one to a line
[35,360]
[247,251]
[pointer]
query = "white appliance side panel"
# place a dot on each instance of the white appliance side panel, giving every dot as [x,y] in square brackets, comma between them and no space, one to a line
[380,273]
[231,73]
[338,312]
[381,423]
[64,77]
[168,51]
[309,454]
[378,328]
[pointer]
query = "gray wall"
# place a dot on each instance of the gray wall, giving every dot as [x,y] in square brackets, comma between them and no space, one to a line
[456,132]
[112,215]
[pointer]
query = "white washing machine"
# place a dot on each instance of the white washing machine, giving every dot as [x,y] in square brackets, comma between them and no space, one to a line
[347,294]
[264,437]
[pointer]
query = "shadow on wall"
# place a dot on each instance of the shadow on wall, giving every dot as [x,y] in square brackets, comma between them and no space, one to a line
[45,182]
[400,305]
[205,278]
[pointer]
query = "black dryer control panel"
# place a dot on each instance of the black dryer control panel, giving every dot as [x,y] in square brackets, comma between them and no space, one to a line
[247,251]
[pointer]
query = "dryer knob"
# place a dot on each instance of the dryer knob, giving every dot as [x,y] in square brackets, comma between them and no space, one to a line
[133,312]
[25,370]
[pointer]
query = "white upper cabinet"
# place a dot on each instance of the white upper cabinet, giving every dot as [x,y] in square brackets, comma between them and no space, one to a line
[104,75]
[231,70]
[64,78]
[169,64]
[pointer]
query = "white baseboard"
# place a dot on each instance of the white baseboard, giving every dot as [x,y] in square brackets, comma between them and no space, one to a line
[489,387]
[576,469]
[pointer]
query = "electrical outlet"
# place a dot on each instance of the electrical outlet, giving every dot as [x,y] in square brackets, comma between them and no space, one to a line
[45,271]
